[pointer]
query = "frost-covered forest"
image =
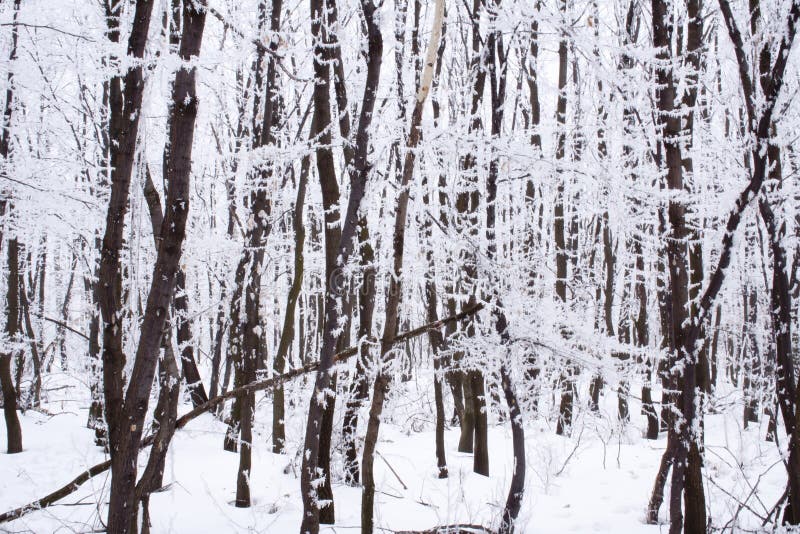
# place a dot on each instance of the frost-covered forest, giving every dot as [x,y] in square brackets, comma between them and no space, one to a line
[418,266]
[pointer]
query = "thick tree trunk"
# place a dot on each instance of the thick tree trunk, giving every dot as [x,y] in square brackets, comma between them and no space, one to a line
[125,100]
[326,49]
[125,445]
[685,464]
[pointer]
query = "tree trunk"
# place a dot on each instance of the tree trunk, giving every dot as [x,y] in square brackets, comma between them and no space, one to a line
[13,428]
[358,178]
[383,380]
[287,334]
[183,112]
[359,390]
[564,426]
[197,391]
[686,461]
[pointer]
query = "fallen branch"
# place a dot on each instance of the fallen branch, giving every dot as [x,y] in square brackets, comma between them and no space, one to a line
[64,325]
[95,470]
[400,480]
[450,529]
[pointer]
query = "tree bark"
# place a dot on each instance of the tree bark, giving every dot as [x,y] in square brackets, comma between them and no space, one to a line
[214,402]
[383,380]
[13,428]
[358,179]
[183,112]
[125,101]
[287,334]
[564,425]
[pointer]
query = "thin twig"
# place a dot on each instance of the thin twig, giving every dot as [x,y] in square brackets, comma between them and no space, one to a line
[63,325]
[46,27]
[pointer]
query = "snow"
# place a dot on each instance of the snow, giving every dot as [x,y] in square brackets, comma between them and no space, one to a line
[598,480]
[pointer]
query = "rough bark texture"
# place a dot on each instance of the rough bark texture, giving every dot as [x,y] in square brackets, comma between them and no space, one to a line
[125,100]
[685,461]
[126,437]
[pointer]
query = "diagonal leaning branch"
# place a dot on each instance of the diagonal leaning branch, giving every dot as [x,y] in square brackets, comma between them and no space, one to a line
[97,469]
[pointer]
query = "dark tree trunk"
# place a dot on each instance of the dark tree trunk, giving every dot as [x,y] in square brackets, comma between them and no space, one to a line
[287,334]
[125,100]
[165,419]
[13,428]
[358,179]
[197,391]
[467,436]
[564,425]
[183,112]
[395,290]
[685,463]
[327,50]
[359,390]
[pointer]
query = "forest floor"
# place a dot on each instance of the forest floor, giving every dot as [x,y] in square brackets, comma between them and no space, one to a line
[597,480]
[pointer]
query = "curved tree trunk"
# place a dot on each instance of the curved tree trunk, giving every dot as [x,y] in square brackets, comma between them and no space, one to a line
[383,380]
[358,178]
[125,445]
[287,334]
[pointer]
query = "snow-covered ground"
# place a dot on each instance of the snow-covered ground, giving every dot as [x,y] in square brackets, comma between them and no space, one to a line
[598,480]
